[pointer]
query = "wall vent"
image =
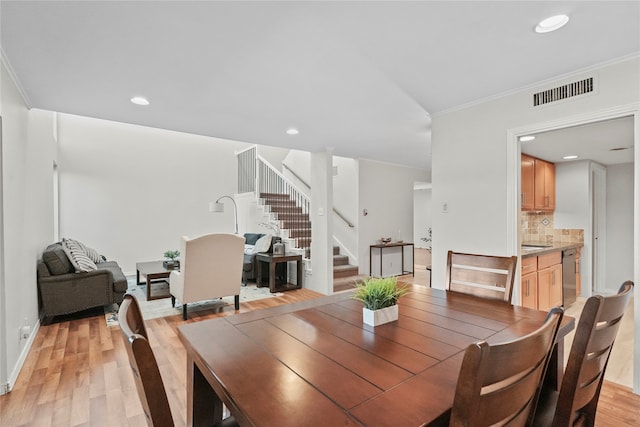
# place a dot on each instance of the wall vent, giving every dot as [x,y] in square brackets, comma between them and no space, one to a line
[563,92]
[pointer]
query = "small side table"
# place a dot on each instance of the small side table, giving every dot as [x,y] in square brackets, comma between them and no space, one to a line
[273,260]
[153,271]
[402,245]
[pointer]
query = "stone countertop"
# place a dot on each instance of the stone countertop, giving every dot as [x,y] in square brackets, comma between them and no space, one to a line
[546,248]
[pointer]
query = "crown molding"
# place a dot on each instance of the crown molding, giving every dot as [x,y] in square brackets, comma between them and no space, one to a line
[7,65]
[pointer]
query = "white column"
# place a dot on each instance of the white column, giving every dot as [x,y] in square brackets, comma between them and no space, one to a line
[320,278]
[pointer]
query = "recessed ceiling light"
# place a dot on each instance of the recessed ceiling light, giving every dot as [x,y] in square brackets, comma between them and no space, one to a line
[292,131]
[140,100]
[572,157]
[527,138]
[551,24]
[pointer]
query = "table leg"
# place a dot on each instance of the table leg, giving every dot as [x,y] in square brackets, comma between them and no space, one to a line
[272,276]
[555,370]
[258,273]
[148,288]
[204,407]
[138,277]
[299,273]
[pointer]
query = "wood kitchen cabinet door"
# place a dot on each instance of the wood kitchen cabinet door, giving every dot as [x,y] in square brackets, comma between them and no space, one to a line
[550,287]
[527,165]
[529,290]
[544,185]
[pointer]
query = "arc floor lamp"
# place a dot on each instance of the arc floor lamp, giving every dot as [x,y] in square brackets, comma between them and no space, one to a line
[218,207]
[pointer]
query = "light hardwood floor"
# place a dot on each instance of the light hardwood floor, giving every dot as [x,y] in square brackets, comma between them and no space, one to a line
[77,373]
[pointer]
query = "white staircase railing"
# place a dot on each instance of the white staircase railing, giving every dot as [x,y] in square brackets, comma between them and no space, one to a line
[288,202]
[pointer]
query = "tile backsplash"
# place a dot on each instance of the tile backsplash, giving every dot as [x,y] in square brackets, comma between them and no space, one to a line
[538,227]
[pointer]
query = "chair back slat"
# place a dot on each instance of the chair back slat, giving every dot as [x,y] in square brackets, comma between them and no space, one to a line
[499,384]
[481,275]
[589,355]
[149,385]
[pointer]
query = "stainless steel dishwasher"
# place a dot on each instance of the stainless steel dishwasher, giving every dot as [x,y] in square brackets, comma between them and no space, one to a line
[568,277]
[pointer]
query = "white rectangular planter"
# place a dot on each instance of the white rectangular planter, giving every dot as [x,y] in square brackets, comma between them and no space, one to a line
[381,316]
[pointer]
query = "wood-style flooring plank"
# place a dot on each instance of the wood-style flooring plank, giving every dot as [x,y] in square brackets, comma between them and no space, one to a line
[77,374]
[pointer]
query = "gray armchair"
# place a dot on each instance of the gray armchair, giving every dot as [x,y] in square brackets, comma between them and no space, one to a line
[64,291]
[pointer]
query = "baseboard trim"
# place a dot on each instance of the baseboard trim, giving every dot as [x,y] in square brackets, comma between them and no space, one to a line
[6,388]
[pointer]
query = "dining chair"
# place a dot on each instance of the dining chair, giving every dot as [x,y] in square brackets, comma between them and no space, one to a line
[499,383]
[144,366]
[485,276]
[143,363]
[210,268]
[577,400]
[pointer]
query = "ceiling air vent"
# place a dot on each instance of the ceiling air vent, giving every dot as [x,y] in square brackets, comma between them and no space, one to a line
[563,92]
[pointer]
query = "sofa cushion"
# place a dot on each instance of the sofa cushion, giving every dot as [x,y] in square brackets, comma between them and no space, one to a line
[119,280]
[77,256]
[57,260]
[252,238]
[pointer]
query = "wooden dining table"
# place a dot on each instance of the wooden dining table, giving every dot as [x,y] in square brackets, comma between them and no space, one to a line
[314,363]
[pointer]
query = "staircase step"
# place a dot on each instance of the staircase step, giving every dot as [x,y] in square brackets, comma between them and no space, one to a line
[278,196]
[292,216]
[344,271]
[291,224]
[299,232]
[286,209]
[346,283]
[278,202]
[303,242]
[340,260]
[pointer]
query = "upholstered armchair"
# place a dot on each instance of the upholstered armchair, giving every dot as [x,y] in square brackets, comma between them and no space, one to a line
[210,268]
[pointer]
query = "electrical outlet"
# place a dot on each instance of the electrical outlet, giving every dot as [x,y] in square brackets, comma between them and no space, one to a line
[25,331]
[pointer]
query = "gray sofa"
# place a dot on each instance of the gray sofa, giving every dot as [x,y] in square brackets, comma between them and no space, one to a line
[62,290]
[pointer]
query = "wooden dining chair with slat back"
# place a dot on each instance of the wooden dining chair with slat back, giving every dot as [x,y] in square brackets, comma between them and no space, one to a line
[577,400]
[485,276]
[499,383]
[146,373]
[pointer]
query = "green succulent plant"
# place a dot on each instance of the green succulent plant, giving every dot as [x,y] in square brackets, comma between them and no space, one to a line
[376,293]
[172,255]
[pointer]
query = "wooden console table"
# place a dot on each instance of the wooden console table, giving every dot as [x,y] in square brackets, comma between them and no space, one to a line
[274,260]
[381,247]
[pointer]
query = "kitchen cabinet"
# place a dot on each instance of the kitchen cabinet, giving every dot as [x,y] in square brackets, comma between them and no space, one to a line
[538,184]
[527,180]
[544,185]
[541,281]
[529,282]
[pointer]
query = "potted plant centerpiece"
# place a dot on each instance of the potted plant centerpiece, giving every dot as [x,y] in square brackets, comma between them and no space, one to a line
[172,262]
[379,297]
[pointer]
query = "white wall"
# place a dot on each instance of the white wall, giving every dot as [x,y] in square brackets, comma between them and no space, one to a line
[573,209]
[422,208]
[28,152]
[131,191]
[345,201]
[619,245]
[386,193]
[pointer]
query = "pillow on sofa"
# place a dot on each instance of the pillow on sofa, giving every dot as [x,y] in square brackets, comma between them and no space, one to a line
[90,252]
[262,245]
[252,238]
[56,260]
[77,256]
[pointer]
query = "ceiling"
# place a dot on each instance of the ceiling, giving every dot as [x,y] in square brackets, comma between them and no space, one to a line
[360,78]
[608,142]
